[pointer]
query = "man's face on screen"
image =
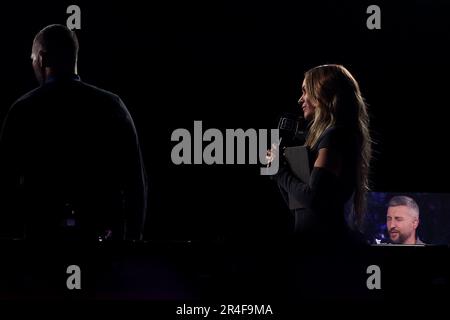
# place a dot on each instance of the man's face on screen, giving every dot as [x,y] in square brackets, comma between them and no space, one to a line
[401,224]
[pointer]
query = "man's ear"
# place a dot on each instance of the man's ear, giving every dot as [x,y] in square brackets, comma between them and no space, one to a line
[416,223]
[43,59]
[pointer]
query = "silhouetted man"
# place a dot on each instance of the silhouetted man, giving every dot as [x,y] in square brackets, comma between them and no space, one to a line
[402,220]
[70,160]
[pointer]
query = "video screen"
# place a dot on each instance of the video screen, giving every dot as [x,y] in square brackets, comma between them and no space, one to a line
[395,218]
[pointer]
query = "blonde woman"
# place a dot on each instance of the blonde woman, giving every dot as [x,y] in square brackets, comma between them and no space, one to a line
[339,144]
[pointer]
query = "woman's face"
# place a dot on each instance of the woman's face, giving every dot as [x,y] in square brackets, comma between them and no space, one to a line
[306,105]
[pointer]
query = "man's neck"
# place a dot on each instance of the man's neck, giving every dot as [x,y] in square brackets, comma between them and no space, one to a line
[411,240]
[52,77]
[52,73]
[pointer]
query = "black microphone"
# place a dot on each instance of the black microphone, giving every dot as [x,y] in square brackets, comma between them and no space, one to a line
[292,129]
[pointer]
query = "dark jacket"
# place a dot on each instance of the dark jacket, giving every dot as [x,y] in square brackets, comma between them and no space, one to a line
[70,164]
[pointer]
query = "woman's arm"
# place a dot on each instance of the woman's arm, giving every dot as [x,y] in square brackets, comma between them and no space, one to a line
[322,183]
[330,160]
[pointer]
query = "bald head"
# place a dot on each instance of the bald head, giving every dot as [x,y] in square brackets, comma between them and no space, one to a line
[54,51]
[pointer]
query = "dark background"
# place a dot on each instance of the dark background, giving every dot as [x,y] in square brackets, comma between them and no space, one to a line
[239,65]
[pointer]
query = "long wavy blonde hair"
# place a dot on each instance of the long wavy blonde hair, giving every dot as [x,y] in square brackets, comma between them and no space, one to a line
[338,101]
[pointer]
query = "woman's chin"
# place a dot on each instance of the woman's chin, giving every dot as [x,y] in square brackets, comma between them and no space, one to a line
[307,116]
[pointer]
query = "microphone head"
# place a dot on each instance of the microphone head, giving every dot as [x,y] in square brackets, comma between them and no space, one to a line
[291,128]
[288,124]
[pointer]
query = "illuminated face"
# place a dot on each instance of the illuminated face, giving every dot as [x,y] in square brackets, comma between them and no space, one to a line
[402,223]
[305,103]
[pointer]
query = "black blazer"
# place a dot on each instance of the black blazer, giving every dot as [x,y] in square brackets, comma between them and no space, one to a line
[70,163]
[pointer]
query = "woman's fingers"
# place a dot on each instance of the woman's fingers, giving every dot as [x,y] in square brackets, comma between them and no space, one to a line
[271,153]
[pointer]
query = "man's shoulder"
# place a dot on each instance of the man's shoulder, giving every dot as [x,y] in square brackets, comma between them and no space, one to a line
[25,102]
[107,101]
[100,92]
[29,96]
[78,89]
[77,96]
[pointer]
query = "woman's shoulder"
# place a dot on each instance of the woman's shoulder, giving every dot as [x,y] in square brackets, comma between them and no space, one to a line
[336,137]
[337,130]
